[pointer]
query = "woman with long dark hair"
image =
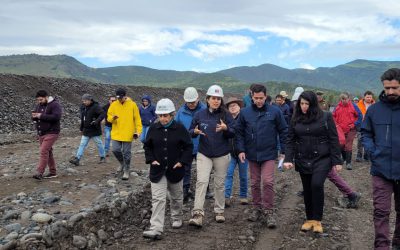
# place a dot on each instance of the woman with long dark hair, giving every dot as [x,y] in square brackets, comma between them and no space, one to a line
[313,148]
[215,126]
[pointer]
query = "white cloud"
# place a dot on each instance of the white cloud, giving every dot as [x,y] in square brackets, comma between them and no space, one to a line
[120,30]
[307,66]
[221,46]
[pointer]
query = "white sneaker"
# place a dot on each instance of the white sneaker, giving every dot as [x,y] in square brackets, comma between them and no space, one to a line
[177,224]
[152,234]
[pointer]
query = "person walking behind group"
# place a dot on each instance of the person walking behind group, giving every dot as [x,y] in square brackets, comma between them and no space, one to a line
[257,128]
[313,147]
[283,106]
[168,149]
[107,126]
[215,126]
[185,116]
[126,126]
[321,101]
[234,105]
[47,116]
[381,139]
[363,105]
[147,115]
[347,116]
[91,116]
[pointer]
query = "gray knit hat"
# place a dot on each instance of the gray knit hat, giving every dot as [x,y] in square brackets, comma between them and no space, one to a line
[88,97]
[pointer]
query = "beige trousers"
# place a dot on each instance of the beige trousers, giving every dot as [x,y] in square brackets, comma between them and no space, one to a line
[159,195]
[204,167]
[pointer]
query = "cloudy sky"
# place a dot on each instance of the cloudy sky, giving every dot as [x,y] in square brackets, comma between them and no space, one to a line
[203,35]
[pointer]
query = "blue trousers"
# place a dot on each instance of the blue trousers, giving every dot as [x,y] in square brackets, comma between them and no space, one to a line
[242,177]
[85,141]
[107,138]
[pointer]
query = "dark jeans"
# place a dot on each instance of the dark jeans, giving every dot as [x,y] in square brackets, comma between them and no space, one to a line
[188,175]
[313,186]
[122,151]
[382,190]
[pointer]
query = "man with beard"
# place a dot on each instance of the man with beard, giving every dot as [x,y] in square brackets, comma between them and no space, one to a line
[47,116]
[381,139]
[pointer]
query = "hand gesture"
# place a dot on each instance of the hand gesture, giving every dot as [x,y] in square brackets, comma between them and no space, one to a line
[155,163]
[197,131]
[177,165]
[221,126]
[288,165]
[242,157]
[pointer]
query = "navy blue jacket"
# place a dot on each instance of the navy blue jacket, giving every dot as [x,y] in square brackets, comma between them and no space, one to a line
[185,116]
[285,111]
[148,113]
[257,130]
[213,144]
[381,138]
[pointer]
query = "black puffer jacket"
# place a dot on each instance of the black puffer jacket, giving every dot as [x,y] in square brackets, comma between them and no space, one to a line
[91,116]
[313,146]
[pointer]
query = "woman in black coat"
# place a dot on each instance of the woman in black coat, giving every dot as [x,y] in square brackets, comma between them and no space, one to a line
[168,149]
[313,146]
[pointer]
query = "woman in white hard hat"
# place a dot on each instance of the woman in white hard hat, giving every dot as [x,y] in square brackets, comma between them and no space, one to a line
[168,149]
[215,127]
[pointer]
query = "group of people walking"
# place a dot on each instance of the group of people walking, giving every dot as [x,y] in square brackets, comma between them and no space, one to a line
[252,134]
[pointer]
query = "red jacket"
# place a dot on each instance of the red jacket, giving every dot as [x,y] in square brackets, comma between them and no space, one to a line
[345,116]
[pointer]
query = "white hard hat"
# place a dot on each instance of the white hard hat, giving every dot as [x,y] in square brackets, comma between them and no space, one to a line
[165,106]
[190,94]
[215,90]
[297,93]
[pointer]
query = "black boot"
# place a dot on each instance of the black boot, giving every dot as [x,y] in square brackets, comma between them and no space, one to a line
[359,156]
[344,156]
[348,160]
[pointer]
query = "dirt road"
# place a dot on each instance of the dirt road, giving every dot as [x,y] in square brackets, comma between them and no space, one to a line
[82,188]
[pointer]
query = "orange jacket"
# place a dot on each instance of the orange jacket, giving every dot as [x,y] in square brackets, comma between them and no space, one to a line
[362,106]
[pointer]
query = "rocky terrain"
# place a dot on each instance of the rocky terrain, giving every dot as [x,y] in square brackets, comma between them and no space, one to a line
[89,207]
[18,98]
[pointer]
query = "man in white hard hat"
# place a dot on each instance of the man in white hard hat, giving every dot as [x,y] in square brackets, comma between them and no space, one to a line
[185,116]
[168,149]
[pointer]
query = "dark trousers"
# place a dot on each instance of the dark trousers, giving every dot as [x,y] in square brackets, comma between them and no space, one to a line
[122,151]
[313,186]
[188,176]
[382,190]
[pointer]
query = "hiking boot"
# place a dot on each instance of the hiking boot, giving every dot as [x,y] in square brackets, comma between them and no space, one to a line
[177,224]
[74,161]
[50,175]
[348,160]
[152,234]
[187,194]
[219,217]
[196,220]
[228,202]
[244,201]
[354,198]
[300,193]
[254,215]
[270,218]
[307,226]
[317,227]
[209,195]
[37,177]
[358,159]
[125,177]
[102,160]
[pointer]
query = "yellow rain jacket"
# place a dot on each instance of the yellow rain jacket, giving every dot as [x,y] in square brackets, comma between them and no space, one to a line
[128,122]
